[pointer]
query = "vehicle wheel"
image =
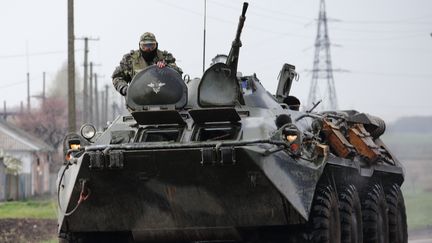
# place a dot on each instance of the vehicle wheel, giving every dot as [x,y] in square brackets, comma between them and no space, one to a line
[396,215]
[350,215]
[375,219]
[324,217]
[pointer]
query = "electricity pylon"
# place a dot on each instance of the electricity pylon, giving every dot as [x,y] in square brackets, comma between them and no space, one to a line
[322,72]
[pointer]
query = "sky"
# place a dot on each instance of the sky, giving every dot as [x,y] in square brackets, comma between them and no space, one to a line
[383,47]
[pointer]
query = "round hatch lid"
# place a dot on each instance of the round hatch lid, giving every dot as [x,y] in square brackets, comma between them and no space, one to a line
[154,87]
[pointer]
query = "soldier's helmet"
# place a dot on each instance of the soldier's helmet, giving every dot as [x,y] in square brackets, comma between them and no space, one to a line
[148,38]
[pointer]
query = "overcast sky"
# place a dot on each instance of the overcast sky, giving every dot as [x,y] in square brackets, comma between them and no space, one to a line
[385,45]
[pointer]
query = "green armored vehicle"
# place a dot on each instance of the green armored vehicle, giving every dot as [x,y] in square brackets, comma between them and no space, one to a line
[220,159]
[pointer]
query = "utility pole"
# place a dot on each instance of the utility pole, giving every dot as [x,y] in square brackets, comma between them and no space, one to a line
[122,102]
[322,66]
[96,100]
[106,104]
[43,89]
[71,68]
[92,93]
[28,92]
[4,110]
[85,80]
[114,109]
[102,109]
[91,118]
[85,88]
[42,96]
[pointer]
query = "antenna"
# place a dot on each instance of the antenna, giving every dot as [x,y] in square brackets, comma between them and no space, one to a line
[204,39]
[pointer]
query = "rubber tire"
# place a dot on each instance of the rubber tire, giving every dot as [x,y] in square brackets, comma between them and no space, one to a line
[350,215]
[325,220]
[396,215]
[375,218]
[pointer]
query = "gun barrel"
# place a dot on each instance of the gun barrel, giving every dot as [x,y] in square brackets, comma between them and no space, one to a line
[241,21]
[245,6]
[232,60]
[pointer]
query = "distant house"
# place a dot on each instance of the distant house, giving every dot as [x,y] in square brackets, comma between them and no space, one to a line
[2,179]
[24,164]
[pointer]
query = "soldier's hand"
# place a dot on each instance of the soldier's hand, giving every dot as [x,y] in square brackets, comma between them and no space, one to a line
[161,64]
[123,90]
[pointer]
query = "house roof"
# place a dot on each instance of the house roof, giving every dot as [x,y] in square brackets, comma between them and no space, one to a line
[14,138]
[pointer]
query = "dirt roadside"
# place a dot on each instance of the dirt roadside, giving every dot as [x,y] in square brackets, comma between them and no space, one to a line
[27,230]
[420,234]
[38,230]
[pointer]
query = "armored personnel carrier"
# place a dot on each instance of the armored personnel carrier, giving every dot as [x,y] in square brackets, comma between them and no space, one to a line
[221,159]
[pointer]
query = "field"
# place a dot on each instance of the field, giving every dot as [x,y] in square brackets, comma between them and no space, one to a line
[415,153]
[28,221]
[417,191]
[419,210]
[408,146]
[37,209]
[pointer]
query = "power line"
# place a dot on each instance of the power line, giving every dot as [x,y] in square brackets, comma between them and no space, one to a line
[389,38]
[222,20]
[362,72]
[379,31]
[393,21]
[400,75]
[267,10]
[35,54]
[386,23]
[12,84]
[362,48]
[265,15]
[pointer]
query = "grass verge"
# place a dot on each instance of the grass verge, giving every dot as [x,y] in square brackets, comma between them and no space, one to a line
[36,209]
[419,209]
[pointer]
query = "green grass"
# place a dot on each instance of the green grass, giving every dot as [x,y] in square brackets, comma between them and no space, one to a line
[419,209]
[38,209]
[55,240]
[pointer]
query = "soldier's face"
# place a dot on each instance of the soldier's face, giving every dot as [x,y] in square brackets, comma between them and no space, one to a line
[147,47]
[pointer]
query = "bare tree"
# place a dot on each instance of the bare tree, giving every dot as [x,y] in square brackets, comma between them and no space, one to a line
[48,123]
[58,86]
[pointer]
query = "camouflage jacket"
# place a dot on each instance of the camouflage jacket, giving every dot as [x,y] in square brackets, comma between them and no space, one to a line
[133,62]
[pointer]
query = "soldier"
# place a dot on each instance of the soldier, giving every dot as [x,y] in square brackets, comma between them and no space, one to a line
[135,61]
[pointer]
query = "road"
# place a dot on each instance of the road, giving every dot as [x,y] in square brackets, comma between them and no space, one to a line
[421,241]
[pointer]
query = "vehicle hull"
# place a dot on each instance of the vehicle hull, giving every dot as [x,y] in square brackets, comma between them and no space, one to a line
[171,194]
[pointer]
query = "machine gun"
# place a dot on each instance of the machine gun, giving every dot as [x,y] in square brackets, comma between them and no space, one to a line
[232,60]
[219,85]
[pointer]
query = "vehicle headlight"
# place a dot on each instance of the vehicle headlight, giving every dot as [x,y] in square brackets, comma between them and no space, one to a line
[88,131]
[292,135]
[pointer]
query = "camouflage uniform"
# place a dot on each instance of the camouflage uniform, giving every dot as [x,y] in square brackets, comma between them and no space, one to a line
[133,62]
